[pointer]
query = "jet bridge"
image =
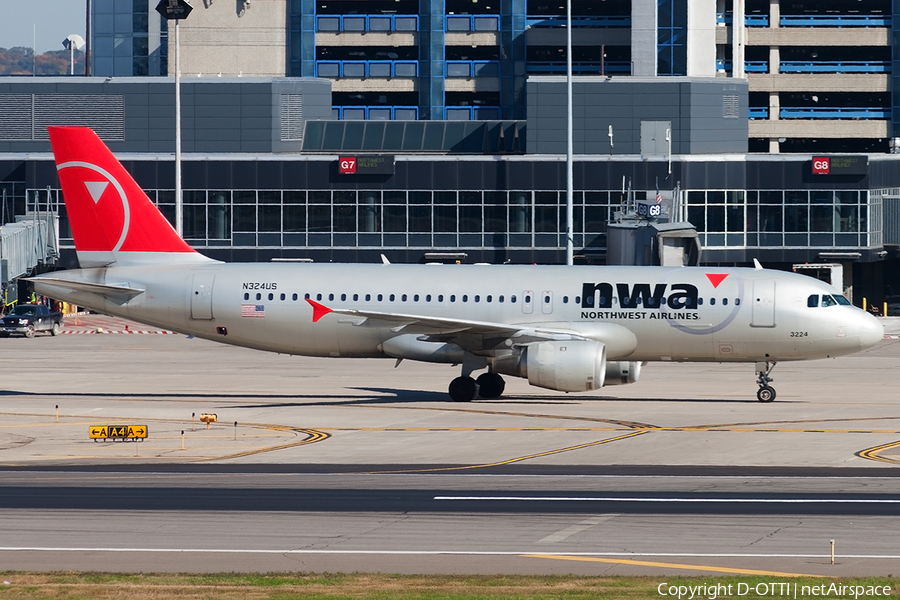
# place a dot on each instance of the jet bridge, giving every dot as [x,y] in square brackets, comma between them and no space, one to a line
[30,242]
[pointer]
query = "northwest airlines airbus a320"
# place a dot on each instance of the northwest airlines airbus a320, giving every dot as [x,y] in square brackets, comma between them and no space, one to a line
[572,329]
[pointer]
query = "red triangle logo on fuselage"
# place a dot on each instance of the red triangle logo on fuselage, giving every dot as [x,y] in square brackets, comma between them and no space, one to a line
[716,278]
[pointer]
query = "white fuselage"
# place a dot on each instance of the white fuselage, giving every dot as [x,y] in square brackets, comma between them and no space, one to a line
[703,314]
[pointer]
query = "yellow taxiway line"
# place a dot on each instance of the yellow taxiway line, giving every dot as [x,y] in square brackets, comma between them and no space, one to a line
[647,563]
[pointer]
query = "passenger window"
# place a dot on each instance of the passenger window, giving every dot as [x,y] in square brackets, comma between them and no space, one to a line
[355,297]
[294,297]
[712,301]
[380,297]
[283,296]
[724,301]
[306,296]
[246,296]
[368,297]
[577,299]
[259,296]
[391,297]
[427,297]
[452,297]
[331,296]
[416,298]
[440,297]
[737,301]
[489,298]
[527,299]
[477,298]
[343,297]
[465,298]
[546,299]
[828,301]
[699,301]
[565,299]
[500,299]
[813,301]
[403,297]
[512,299]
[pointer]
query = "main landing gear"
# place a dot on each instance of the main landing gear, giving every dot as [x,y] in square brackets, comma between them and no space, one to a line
[465,388]
[766,392]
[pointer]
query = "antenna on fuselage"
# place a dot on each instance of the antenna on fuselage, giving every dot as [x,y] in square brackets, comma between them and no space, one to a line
[756,264]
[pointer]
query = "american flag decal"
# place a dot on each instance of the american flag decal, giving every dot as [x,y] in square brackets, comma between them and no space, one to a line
[253,310]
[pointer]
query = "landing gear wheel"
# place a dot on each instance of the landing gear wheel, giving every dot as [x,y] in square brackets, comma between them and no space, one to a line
[463,389]
[490,385]
[766,394]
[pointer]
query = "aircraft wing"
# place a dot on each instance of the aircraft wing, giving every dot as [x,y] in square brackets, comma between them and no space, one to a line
[469,334]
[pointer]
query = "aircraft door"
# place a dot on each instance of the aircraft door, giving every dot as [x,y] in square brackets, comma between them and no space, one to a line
[527,302]
[201,296]
[546,302]
[763,303]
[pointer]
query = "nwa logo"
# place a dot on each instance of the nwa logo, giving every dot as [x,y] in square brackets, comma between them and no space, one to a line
[674,295]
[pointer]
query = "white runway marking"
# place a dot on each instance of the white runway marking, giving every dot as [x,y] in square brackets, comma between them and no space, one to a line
[568,532]
[436,552]
[683,500]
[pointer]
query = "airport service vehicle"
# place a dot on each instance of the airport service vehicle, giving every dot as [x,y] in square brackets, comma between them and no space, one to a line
[568,328]
[28,319]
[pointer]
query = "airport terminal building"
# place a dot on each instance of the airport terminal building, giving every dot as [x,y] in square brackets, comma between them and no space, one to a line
[419,159]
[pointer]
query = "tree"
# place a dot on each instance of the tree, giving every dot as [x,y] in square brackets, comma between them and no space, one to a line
[21,61]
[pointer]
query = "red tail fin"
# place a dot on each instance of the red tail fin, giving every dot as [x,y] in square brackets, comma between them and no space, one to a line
[112,218]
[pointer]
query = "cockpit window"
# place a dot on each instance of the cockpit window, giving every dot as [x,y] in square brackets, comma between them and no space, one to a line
[828,300]
[813,301]
[841,300]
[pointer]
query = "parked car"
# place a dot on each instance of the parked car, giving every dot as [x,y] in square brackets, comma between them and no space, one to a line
[28,319]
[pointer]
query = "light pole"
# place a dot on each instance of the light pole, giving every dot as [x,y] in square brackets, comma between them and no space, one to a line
[176,10]
[570,241]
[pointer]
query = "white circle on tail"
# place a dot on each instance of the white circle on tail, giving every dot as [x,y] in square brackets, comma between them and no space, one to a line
[95,191]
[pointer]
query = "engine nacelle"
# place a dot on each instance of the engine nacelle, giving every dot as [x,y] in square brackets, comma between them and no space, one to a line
[622,373]
[572,366]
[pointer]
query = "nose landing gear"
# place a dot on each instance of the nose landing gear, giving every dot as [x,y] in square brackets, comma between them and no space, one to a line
[766,392]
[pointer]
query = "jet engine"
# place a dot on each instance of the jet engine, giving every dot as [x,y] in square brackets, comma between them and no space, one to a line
[571,366]
[622,373]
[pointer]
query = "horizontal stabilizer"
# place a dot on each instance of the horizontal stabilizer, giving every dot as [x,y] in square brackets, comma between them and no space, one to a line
[101,289]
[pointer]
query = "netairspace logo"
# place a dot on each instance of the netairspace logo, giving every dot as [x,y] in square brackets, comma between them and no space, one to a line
[774,590]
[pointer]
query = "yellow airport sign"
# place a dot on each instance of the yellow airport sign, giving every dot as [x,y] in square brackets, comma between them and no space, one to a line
[125,432]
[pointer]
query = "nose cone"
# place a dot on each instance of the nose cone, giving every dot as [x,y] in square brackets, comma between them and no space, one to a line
[870,331]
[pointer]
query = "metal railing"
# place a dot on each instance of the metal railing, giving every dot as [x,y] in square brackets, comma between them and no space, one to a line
[756,20]
[367,68]
[844,66]
[824,112]
[835,21]
[364,23]
[471,113]
[471,23]
[611,67]
[472,68]
[578,22]
[375,113]
[810,66]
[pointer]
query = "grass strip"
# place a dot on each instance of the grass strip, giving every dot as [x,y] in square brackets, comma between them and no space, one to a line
[354,586]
